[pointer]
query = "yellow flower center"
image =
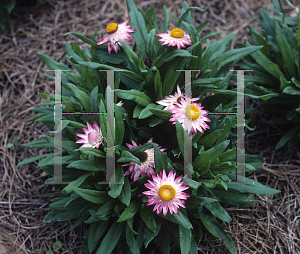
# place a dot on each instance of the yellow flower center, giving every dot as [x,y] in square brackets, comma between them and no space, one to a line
[111,28]
[177,33]
[192,112]
[166,192]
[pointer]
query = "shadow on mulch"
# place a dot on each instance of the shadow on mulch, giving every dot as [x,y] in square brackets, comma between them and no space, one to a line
[270,226]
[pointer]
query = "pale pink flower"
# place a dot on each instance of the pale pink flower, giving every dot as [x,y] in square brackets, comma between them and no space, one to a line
[147,162]
[120,104]
[209,94]
[116,32]
[190,115]
[166,192]
[92,137]
[176,37]
[170,101]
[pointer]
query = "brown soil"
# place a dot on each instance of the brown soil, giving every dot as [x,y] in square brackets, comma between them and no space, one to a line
[270,226]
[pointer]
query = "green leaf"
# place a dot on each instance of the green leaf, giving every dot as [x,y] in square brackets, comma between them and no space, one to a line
[210,139]
[218,211]
[291,90]
[162,240]
[89,165]
[179,218]
[97,197]
[30,160]
[114,185]
[38,144]
[286,50]
[158,85]
[255,188]
[137,111]
[234,197]
[138,23]
[180,135]
[129,211]
[92,151]
[103,213]
[185,236]
[172,55]
[164,114]
[138,150]
[93,65]
[113,57]
[267,24]
[190,28]
[148,218]
[95,232]
[150,46]
[211,34]
[233,55]
[274,67]
[76,183]
[111,239]
[80,95]
[131,55]
[211,154]
[53,65]
[191,183]
[127,156]
[131,242]
[287,136]
[172,76]
[201,26]
[166,23]
[125,195]
[202,81]
[145,113]
[134,95]
[88,41]
[258,40]
[196,202]
[94,102]
[215,228]
[160,160]
[254,160]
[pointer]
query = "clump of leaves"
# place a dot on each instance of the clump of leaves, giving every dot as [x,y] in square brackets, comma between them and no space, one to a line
[117,214]
[276,69]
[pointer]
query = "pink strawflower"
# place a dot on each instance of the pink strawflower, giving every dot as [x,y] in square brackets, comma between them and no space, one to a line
[176,37]
[92,137]
[116,32]
[147,162]
[166,192]
[190,115]
[170,101]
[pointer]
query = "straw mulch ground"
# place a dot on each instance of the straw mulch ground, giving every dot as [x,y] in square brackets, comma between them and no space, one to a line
[271,226]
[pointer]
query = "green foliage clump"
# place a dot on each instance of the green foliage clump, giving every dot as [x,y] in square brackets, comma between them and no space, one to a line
[117,214]
[276,69]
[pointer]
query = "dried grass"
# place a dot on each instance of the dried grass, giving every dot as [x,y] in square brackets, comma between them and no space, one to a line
[270,226]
